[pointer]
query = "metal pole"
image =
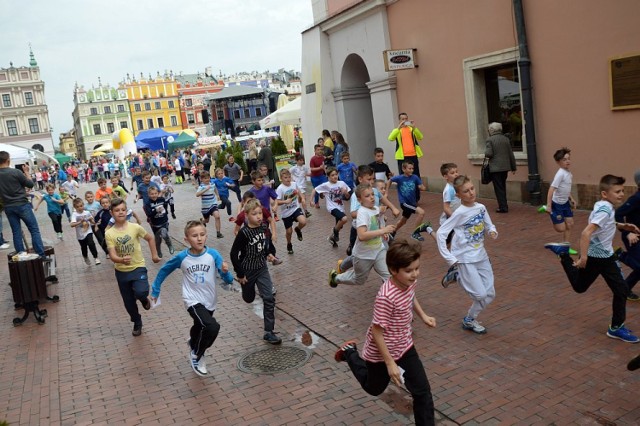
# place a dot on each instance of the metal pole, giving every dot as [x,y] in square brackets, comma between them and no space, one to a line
[524,65]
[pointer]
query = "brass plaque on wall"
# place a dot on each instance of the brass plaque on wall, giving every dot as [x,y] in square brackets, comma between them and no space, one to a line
[624,75]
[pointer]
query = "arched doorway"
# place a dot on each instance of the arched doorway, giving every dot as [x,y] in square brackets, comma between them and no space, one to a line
[38,147]
[353,100]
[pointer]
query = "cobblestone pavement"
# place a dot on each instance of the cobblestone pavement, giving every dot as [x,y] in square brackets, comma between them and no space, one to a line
[545,359]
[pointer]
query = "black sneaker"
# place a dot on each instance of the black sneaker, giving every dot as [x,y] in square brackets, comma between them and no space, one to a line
[332,241]
[289,248]
[336,235]
[270,337]
[632,297]
[450,277]
[137,330]
[307,214]
[146,304]
[298,233]
[634,364]
[341,353]
[349,249]
[219,235]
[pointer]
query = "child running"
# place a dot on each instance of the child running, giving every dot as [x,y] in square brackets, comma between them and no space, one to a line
[209,196]
[166,191]
[156,210]
[299,173]
[597,256]
[83,222]
[389,345]
[117,189]
[199,265]
[368,252]
[288,194]
[380,168]
[223,183]
[337,191]
[470,223]
[103,189]
[248,255]
[54,208]
[408,186]
[125,252]
[560,203]
[450,202]
[102,219]
[346,170]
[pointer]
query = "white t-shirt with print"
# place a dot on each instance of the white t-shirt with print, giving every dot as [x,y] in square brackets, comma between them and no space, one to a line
[333,193]
[368,218]
[287,192]
[82,217]
[600,244]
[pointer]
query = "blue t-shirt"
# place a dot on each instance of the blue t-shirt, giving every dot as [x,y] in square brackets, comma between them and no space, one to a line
[407,188]
[345,173]
[94,207]
[143,190]
[221,184]
[264,194]
[52,206]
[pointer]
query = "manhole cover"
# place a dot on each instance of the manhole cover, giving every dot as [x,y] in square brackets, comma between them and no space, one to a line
[273,360]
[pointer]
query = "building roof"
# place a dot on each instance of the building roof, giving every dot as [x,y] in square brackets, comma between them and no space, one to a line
[235,92]
[194,78]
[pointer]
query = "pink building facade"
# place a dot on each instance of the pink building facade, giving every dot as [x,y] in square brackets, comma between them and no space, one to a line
[468,76]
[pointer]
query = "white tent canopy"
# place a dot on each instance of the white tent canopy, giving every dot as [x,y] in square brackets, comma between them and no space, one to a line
[20,155]
[288,114]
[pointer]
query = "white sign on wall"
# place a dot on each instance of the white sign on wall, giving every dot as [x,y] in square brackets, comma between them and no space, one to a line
[400,59]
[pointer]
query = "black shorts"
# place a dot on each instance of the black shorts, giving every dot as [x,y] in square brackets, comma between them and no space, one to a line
[338,214]
[210,212]
[407,210]
[288,221]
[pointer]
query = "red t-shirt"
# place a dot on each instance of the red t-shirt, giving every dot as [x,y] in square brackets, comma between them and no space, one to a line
[241,220]
[393,311]
[316,161]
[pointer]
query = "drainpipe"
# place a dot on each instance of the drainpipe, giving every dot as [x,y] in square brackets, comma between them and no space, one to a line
[524,66]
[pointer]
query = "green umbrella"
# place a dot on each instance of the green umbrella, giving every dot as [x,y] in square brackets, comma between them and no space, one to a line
[62,158]
[183,140]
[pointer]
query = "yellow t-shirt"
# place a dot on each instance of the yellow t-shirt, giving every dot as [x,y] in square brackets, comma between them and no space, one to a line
[329,142]
[127,243]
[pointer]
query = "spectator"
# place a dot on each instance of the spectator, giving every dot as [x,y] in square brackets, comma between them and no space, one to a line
[265,156]
[501,160]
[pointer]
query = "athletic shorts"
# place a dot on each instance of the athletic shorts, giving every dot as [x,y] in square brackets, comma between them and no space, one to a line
[338,214]
[288,221]
[210,212]
[560,211]
[407,210]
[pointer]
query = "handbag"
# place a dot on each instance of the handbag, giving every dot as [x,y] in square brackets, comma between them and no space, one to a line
[485,172]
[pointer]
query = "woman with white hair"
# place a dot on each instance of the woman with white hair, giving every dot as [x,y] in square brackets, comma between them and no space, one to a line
[501,161]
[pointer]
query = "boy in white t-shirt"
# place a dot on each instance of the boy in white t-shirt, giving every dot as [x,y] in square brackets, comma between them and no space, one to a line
[368,252]
[83,221]
[450,202]
[471,223]
[336,192]
[560,203]
[299,173]
[288,194]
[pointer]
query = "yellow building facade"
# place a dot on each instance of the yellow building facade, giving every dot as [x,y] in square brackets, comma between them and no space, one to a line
[154,103]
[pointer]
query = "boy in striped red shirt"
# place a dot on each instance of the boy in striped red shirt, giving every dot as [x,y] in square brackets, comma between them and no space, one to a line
[389,353]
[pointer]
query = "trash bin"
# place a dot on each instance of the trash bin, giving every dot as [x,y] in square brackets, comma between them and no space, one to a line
[29,284]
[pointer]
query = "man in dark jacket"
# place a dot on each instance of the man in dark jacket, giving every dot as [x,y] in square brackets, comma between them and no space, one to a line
[501,161]
[265,156]
[17,206]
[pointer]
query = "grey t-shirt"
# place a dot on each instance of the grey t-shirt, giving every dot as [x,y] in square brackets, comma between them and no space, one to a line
[12,184]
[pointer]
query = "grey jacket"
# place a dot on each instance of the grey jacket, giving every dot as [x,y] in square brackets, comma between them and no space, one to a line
[12,184]
[500,154]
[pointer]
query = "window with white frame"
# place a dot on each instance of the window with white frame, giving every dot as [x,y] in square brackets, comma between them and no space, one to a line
[174,120]
[140,125]
[97,130]
[492,93]
[136,107]
[120,108]
[93,111]
[158,105]
[12,128]
[147,106]
[247,113]
[188,102]
[160,122]
[190,118]
[258,112]
[6,100]
[124,125]
[107,109]
[171,104]
[111,128]
[28,98]
[150,123]
[34,127]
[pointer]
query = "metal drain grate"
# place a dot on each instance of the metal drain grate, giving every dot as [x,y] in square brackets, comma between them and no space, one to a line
[273,360]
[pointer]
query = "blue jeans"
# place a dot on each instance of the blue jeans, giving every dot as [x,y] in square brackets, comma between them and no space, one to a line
[2,240]
[315,181]
[24,213]
[133,285]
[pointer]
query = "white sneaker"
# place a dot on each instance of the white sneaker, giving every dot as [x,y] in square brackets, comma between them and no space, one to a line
[59,235]
[473,325]
[199,366]
[5,246]
[87,261]
[98,261]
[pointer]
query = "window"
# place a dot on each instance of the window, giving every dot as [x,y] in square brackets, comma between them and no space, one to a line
[190,118]
[136,107]
[174,120]
[147,106]
[171,104]
[123,125]
[94,111]
[258,112]
[220,114]
[160,122]
[120,108]
[158,105]
[236,113]
[28,98]
[33,125]
[38,147]
[188,102]
[12,128]
[111,128]
[492,93]
[107,109]
[97,130]
[247,113]
[140,125]
[150,123]
[6,101]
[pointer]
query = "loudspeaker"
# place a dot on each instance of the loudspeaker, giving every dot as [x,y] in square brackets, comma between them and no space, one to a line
[205,116]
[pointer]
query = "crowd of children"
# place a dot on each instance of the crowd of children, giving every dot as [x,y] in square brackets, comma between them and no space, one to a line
[373,244]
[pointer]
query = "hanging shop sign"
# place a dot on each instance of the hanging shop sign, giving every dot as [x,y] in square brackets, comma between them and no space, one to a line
[401,59]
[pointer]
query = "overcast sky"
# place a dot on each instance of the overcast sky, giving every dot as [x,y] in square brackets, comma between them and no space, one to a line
[81,40]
